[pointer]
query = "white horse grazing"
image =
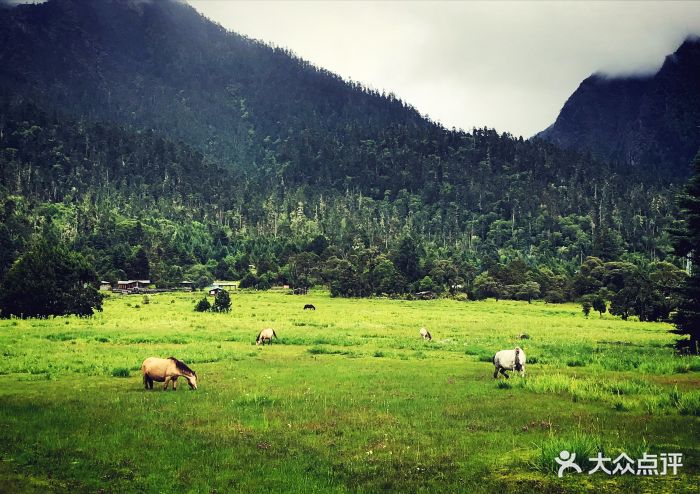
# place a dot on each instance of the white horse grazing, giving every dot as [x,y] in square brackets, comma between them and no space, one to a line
[265,335]
[425,334]
[509,360]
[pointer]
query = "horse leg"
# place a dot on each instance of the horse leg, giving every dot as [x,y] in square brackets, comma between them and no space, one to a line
[165,384]
[503,371]
[150,383]
[145,381]
[174,380]
[495,373]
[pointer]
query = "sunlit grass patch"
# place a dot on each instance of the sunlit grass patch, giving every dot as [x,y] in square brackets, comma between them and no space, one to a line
[303,413]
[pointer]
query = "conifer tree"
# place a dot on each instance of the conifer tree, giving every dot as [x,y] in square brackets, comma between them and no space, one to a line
[687,244]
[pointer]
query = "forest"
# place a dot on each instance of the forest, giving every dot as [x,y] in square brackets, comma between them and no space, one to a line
[171,149]
[481,213]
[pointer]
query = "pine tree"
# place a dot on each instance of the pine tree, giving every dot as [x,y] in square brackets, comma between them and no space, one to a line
[686,242]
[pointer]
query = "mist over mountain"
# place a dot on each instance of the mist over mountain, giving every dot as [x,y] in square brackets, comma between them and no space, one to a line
[648,121]
[163,146]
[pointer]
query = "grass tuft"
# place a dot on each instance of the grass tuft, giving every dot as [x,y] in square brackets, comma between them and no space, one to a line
[121,372]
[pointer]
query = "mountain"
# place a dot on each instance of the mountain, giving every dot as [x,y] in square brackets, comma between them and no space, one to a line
[646,121]
[163,146]
[161,65]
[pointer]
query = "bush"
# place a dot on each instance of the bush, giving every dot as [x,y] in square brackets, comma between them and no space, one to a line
[203,305]
[586,307]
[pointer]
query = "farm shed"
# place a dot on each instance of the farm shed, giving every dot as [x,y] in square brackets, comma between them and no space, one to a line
[133,285]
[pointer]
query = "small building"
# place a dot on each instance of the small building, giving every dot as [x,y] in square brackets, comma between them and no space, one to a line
[427,295]
[133,285]
[226,285]
[214,290]
[187,286]
[105,286]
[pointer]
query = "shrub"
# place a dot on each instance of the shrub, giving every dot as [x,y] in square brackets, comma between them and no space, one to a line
[203,305]
[586,307]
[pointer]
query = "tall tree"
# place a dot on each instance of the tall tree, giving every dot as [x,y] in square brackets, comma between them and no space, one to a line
[686,243]
[50,280]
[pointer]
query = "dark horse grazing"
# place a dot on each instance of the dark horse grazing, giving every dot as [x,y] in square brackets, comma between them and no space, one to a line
[309,306]
[166,370]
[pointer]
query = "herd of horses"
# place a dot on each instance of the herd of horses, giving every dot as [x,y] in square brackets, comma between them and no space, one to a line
[167,370]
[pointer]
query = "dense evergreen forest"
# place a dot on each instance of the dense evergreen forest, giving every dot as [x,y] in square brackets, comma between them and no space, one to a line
[161,146]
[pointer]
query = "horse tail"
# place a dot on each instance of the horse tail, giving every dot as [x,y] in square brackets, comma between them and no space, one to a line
[274,334]
[257,338]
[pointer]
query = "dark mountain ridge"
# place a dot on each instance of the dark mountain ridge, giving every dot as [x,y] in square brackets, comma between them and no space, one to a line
[648,121]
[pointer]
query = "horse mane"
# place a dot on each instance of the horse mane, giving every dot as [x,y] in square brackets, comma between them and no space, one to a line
[181,366]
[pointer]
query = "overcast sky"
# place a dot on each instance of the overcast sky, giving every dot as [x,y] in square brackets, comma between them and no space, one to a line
[508,65]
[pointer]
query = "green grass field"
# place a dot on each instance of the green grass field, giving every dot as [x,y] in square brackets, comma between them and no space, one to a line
[349,399]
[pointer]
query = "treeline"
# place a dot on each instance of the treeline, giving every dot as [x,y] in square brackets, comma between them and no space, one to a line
[139,205]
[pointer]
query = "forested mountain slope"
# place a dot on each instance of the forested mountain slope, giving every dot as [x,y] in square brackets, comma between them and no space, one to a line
[163,146]
[159,64]
[644,122]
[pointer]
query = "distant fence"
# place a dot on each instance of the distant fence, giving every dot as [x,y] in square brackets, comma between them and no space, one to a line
[147,291]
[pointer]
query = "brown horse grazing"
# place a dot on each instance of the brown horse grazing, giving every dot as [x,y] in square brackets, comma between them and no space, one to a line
[426,334]
[309,306]
[166,370]
[265,335]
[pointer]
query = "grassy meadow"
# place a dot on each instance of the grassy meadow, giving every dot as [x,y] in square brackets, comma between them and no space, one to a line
[348,399]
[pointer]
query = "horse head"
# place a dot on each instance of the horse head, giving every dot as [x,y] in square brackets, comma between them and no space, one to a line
[191,380]
[518,363]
